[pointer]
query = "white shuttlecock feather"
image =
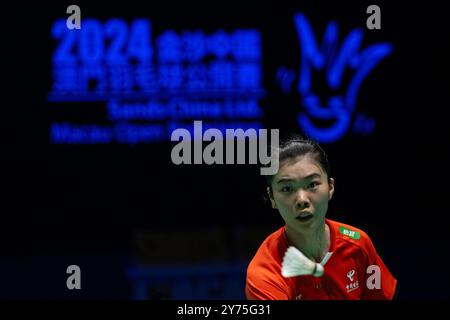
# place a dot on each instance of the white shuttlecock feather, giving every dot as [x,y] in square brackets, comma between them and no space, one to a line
[295,263]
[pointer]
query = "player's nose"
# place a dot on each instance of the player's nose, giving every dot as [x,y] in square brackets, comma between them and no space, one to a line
[301,200]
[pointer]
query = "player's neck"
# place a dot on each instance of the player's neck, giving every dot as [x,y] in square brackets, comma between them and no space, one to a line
[314,243]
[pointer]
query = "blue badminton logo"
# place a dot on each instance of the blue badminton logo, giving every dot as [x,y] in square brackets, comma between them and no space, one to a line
[338,109]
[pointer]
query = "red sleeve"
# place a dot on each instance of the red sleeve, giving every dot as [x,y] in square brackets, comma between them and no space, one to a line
[265,286]
[379,283]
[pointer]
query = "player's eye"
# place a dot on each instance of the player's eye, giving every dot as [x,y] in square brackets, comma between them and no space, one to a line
[286,189]
[313,184]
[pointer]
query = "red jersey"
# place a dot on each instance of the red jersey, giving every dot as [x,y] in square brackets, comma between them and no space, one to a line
[353,270]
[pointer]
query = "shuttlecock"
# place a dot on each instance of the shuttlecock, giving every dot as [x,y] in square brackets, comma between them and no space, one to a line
[296,264]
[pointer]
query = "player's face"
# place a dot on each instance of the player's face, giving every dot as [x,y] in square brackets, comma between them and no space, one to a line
[301,192]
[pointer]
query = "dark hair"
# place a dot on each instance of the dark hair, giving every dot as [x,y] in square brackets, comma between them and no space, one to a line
[296,146]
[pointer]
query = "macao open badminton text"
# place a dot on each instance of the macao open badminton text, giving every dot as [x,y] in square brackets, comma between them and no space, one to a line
[223,310]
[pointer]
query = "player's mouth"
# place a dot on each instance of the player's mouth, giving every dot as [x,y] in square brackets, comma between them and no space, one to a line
[304,216]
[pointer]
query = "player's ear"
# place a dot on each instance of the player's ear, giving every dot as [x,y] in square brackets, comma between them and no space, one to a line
[272,201]
[331,188]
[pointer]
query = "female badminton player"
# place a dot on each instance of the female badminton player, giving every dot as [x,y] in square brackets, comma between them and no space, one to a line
[300,191]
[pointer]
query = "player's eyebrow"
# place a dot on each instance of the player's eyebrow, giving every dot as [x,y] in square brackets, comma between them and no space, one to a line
[310,176]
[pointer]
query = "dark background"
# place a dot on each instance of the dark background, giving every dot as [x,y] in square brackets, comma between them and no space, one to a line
[87,205]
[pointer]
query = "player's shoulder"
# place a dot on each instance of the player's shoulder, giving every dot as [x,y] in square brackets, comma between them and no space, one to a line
[351,235]
[270,252]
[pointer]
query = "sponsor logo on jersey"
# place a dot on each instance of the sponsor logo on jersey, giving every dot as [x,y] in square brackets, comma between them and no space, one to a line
[350,233]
